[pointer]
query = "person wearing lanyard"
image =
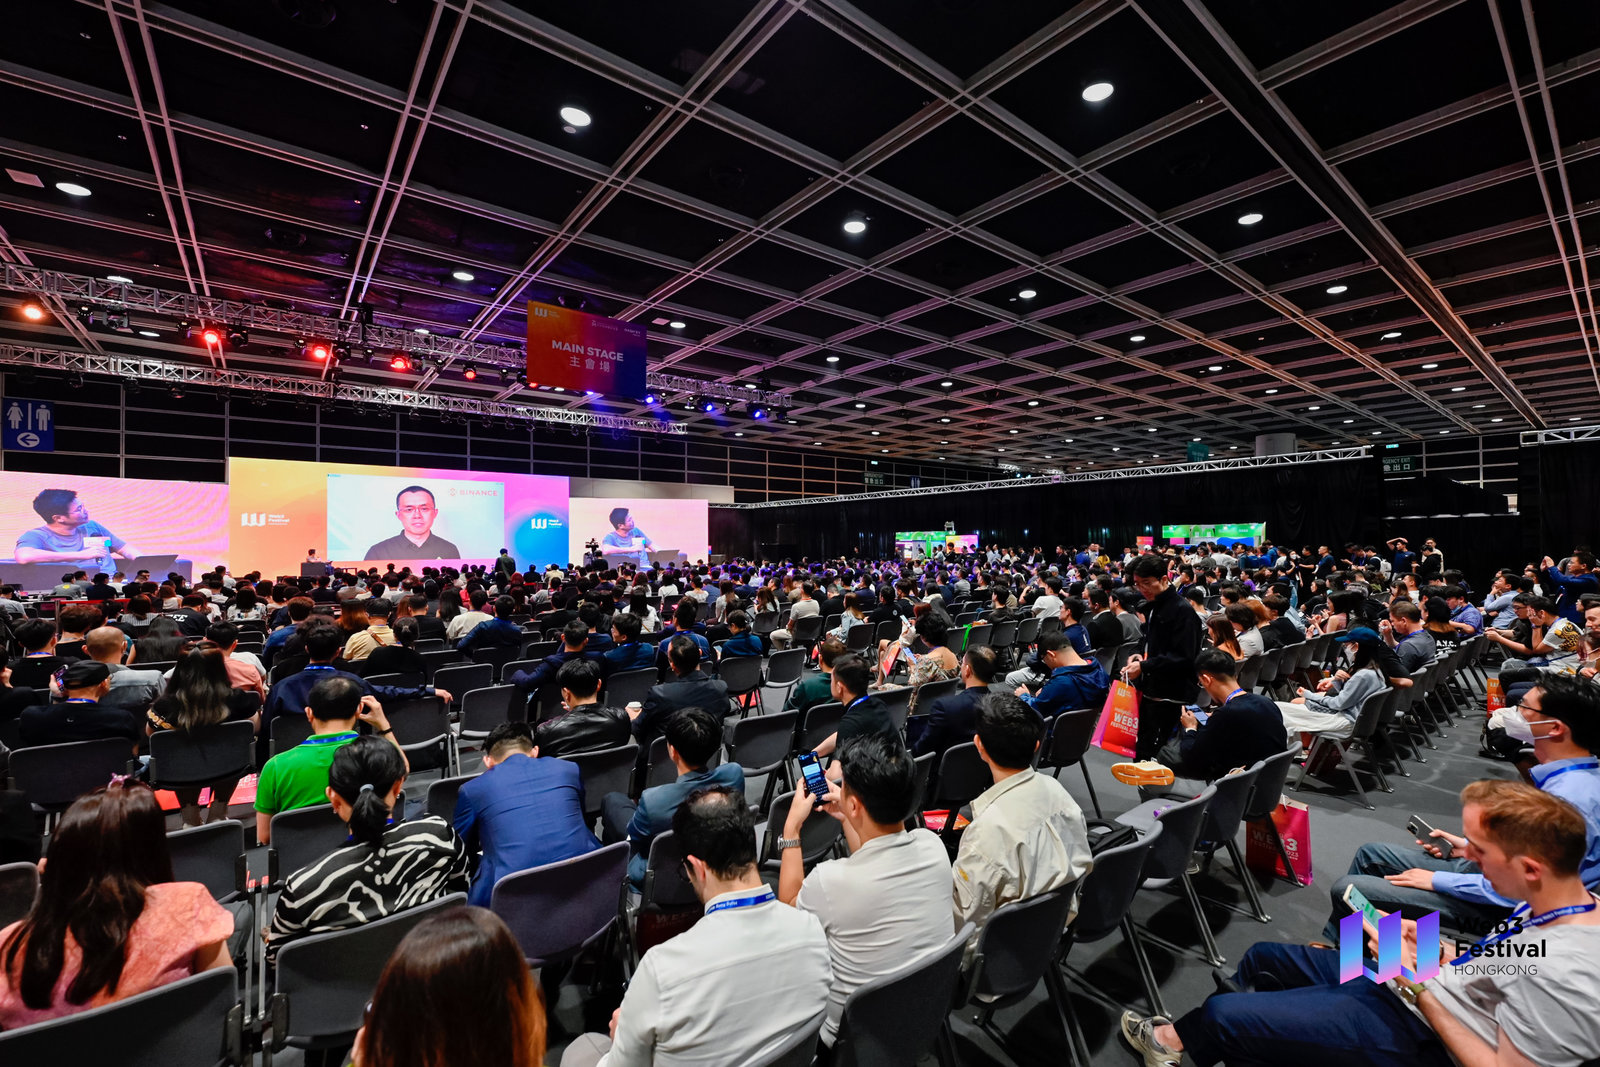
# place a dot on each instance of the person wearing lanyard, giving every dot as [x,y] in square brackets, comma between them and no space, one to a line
[1524,995]
[1560,717]
[1242,729]
[736,985]
[863,713]
[1413,646]
[81,717]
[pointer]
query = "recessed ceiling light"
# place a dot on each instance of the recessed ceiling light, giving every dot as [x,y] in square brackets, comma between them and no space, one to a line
[73,188]
[677,324]
[1334,442]
[944,420]
[1098,91]
[420,329]
[877,433]
[1099,418]
[1575,418]
[947,383]
[861,405]
[1137,337]
[1377,433]
[1251,218]
[832,359]
[1028,294]
[148,333]
[1497,420]
[855,224]
[1116,448]
[944,442]
[1215,366]
[1233,448]
[1442,432]
[1335,290]
[738,433]
[791,422]
[575,116]
[462,275]
[939,457]
[1458,389]
[121,279]
[1391,335]
[1150,429]
[1033,403]
[1270,392]
[883,450]
[1012,431]
[1196,439]
[1067,440]
[1430,366]
[1347,422]
[1314,407]
[1475,407]
[999,450]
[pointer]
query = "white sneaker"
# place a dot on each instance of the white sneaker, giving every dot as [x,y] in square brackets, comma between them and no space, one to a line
[1145,772]
[1139,1032]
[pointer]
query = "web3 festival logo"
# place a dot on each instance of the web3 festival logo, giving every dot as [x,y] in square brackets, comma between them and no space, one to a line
[262,518]
[1391,942]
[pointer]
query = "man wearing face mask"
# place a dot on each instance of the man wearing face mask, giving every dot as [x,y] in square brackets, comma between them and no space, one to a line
[1560,717]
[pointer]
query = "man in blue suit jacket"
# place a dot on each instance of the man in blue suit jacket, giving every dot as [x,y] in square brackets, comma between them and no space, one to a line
[693,737]
[744,642]
[629,653]
[525,811]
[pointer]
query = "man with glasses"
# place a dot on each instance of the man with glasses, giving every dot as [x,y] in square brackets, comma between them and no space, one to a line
[417,511]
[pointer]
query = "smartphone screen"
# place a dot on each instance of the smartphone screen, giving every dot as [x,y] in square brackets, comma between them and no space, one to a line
[812,771]
[1358,901]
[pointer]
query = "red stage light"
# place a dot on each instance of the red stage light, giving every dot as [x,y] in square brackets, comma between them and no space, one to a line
[211,336]
[399,362]
[32,312]
[470,374]
[318,350]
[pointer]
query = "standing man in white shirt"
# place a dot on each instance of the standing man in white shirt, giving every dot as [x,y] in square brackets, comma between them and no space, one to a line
[886,905]
[736,985]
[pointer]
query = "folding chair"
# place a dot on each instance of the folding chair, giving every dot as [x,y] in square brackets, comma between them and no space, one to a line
[19,884]
[895,1020]
[1105,897]
[212,855]
[819,835]
[442,796]
[761,746]
[559,910]
[432,661]
[742,675]
[606,770]
[667,904]
[784,670]
[226,750]
[462,677]
[1264,799]
[1019,945]
[1070,734]
[301,837]
[962,778]
[626,687]
[422,730]
[1360,739]
[1168,860]
[53,776]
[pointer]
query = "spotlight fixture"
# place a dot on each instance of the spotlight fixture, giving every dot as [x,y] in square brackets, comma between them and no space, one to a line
[522,379]
[1097,92]
[33,312]
[1027,294]
[1136,338]
[318,350]
[758,413]
[860,406]
[678,324]
[238,337]
[210,336]
[1430,366]
[177,391]
[120,279]
[575,116]
[1391,335]
[650,398]
[855,223]
[470,373]
[832,359]
[1335,290]
[400,362]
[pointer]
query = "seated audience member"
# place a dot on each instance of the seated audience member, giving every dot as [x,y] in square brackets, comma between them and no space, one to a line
[526,809]
[132,689]
[161,643]
[814,689]
[1413,646]
[742,641]
[864,713]
[387,867]
[1467,619]
[733,988]
[935,663]
[1556,643]
[684,621]
[889,902]
[1293,1008]
[244,669]
[1242,729]
[1560,718]
[585,724]
[195,614]
[322,643]
[1279,623]
[689,687]
[1104,629]
[1126,602]
[136,618]
[1027,834]
[376,634]
[295,611]
[953,719]
[628,653]
[1073,682]
[197,698]
[460,964]
[401,657]
[693,737]
[462,624]
[80,717]
[14,698]
[298,778]
[1246,630]
[574,645]
[429,627]
[1222,635]
[109,922]
[39,659]
[75,622]
[497,631]
[1334,713]
[1074,611]
[804,606]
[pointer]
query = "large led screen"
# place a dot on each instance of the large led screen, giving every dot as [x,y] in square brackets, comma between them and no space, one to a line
[1226,534]
[632,529]
[352,514]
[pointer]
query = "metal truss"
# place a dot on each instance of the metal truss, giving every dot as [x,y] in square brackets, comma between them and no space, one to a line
[85,289]
[71,361]
[1287,459]
[1565,435]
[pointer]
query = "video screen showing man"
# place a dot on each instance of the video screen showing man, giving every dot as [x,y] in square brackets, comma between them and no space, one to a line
[69,535]
[417,512]
[625,541]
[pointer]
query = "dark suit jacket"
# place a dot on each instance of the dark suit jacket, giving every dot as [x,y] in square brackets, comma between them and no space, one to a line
[57,724]
[952,720]
[692,691]
[526,812]
[658,804]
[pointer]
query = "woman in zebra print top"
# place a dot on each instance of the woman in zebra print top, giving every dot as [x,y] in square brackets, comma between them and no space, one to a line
[386,867]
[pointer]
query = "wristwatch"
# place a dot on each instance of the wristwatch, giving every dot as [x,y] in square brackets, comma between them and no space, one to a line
[1410,992]
[788,842]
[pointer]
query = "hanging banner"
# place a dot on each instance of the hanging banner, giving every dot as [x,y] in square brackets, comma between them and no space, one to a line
[580,352]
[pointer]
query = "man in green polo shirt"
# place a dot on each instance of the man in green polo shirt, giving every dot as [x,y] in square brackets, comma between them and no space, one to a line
[815,689]
[298,778]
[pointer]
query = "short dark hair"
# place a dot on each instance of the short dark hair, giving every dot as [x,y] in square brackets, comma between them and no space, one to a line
[1075,607]
[684,654]
[628,625]
[1217,663]
[334,699]
[740,619]
[415,489]
[34,634]
[574,633]
[1098,596]
[1241,614]
[715,827]
[1275,603]
[580,677]
[509,737]
[1405,609]
[1147,567]
[695,733]
[982,661]
[504,607]
[829,650]
[853,672]
[324,642]
[878,770]
[222,634]
[619,516]
[1129,597]
[1574,702]
[52,502]
[1009,729]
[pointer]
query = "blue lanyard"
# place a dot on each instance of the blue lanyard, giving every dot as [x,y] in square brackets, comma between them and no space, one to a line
[330,739]
[90,700]
[856,701]
[746,902]
[1581,765]
[318,667]
[1537,920]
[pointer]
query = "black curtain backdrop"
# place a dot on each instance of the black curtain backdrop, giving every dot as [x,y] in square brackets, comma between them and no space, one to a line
[1567,488]
[1314,503]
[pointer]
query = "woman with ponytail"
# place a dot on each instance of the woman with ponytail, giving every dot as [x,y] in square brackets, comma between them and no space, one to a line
[385,866]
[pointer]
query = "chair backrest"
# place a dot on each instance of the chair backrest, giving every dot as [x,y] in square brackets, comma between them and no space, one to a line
[1004,634]
[403,679]
[1120,659]
[785,667]
[1051,624]
[1271,663]
[304,835]
[888,630]
[1273,772]
[897,1018]
[422,729]
[980,635]
[324,981]
[53,776]
[1028,631]
[209,855]
[798,1049]
[461,677]
[807,628]
[195,1020]
[537,650]
[287,731]
[1070,733]
[510,668]
[557,910]
[1109,886]
[922,771]
[625,687]
[760,743]
[1019,941]
[432,661]
[216,752]
[742,674]
[820,723]
[1181,824]
[818,834]
[962,776]
[664,883]
[1227,807]
[1370,715]
[483,709]
[858,638]
[928,692]
[19,884]
[1249,672]
[442,795]
[897,702]
[429,644]
[606,770]
[496,656]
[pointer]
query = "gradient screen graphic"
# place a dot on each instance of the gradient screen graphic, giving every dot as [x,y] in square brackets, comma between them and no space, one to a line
[154,519]
[669,525]
[584,352]
[349,514]
[1230,533]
